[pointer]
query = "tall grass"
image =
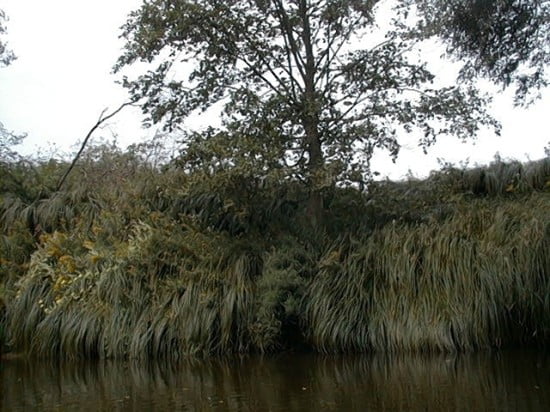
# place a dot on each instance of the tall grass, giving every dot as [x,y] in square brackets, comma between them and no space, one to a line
[477,280]
[166,292]
[158,265]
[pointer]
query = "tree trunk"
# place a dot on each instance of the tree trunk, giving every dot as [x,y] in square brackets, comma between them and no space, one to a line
[311,124]
[315,201]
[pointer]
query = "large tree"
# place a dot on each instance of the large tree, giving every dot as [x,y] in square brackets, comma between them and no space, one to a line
[309,87]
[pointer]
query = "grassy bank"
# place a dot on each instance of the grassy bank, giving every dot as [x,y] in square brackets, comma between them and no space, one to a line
[136,261]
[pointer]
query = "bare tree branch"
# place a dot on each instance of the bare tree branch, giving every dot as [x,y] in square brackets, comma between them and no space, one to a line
[102,119]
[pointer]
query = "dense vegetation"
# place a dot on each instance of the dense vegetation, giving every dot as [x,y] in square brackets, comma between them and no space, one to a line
[142,261]
[312,88]
[268,233]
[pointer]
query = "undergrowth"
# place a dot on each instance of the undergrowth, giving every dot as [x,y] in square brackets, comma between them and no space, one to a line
[163,263]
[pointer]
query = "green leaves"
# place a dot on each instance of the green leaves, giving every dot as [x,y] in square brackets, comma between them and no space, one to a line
[141,261]
[306,86]
[506,41]
[6,55]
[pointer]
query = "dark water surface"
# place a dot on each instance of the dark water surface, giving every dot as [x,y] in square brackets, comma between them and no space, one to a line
[507,381]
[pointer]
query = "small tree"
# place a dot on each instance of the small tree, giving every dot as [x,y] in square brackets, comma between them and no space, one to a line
[310,87]
[8,140]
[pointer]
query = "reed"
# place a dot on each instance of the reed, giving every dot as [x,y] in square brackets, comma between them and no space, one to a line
[166,292]
[164,264]
[477,280]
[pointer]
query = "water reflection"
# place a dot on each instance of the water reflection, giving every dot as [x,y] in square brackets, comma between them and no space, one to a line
[505,382]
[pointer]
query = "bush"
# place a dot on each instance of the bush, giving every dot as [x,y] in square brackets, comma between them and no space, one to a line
[134,260]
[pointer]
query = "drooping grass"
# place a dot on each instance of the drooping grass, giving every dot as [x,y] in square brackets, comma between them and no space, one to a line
[507,177]
[477,280]
[146,299]
[160,266]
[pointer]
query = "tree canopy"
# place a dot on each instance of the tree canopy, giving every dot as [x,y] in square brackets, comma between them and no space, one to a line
[311,88]
[507,41]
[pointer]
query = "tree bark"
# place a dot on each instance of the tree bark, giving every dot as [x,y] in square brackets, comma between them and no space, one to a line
[311,124]
[315,201]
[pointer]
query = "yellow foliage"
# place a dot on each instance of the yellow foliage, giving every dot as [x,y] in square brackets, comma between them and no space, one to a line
[68,263]
[332,260]
[88,244]
[155,216]
[54,250]
[44,237]
[61,282]
[54,243]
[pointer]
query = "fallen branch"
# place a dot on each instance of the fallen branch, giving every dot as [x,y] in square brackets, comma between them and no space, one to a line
[99,122]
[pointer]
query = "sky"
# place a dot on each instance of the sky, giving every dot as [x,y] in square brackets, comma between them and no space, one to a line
[61,82]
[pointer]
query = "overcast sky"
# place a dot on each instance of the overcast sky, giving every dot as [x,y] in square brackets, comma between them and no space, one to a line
[61,81]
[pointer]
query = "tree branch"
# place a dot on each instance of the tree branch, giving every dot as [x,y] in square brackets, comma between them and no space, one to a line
[287,31]
[102,119]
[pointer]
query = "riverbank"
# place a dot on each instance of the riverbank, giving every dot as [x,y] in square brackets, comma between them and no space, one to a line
[148,263]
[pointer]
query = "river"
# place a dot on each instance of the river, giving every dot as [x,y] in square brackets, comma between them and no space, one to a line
[505,381]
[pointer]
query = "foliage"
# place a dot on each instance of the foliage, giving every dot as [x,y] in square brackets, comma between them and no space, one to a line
[504,40]
[140,261]
[437,197]
[309,88]
[8,139]
[131,233]
[6,55]
[479,279]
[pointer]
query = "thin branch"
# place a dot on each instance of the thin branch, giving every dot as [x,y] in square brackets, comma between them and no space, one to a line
[345,68]
[287,31]
[102,119]
[251,66]
[358,101]
[294,82]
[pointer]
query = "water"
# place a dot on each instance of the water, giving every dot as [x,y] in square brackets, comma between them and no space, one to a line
[508,381]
